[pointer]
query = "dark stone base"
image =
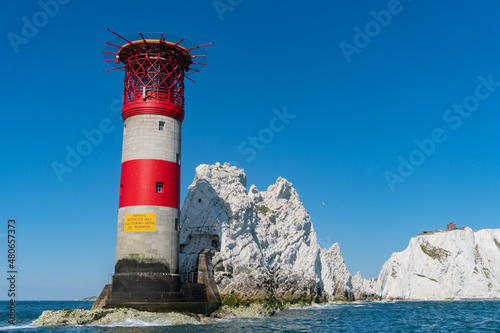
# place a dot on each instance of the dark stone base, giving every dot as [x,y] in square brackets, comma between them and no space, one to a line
[145,287]
[155,292]
[136,266]
[146,282]
[194,292]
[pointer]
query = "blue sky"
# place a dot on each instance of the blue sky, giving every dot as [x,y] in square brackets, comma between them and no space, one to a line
[408,69]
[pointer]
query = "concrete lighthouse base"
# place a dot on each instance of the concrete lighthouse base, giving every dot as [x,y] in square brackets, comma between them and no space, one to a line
[162,292]
[145,287]
[155,293]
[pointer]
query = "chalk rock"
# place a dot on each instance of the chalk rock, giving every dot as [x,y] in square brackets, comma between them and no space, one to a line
[459,263]
[364,288]
[334,274]
[119,317]
[265,242]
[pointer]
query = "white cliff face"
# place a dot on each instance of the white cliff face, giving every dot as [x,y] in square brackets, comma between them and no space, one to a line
[265,242]
[265,245]
[458,263]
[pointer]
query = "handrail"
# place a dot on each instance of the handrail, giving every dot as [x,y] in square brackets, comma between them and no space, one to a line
[154,93]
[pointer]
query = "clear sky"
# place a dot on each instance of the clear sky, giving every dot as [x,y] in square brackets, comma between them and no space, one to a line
[392,126]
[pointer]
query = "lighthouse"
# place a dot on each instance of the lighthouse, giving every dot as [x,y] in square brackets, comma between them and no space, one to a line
[147,241]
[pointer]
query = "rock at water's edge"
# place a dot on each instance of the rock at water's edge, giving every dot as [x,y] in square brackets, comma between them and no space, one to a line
[111,316]
[265,242]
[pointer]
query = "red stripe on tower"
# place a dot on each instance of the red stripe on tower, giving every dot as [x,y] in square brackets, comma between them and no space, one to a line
[163,108]
[150,182]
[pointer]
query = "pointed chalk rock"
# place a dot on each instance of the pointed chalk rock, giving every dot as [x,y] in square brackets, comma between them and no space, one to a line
[265,241]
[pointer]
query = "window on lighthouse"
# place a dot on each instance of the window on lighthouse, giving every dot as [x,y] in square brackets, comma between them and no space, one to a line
[159,187]
[161,125]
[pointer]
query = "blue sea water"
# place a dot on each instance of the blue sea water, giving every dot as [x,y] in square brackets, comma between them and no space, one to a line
[402,316]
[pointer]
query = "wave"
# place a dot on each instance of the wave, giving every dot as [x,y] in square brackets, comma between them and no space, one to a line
[316,306]
[16,327]
[356,304]
[133,322]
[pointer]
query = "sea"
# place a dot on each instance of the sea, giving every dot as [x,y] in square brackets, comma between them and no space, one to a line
[381,316]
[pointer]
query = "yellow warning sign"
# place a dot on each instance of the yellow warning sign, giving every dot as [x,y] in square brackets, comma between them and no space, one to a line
[140,222]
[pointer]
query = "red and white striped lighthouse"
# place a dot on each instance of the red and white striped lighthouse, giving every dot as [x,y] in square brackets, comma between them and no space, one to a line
[147,245]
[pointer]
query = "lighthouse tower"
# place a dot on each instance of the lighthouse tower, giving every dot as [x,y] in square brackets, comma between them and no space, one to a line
[147,243]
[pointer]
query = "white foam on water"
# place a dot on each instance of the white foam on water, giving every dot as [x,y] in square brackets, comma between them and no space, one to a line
[132,322]
[16,327]
[316,306]
[356,304]
[250,320]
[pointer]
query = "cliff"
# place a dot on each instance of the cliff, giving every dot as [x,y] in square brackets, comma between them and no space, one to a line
[459,263]
[265,245]
[264,241]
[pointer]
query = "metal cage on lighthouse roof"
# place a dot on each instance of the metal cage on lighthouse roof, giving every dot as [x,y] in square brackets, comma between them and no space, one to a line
[155,66]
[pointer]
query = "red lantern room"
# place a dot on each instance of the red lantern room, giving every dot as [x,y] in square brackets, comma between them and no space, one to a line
[154,72]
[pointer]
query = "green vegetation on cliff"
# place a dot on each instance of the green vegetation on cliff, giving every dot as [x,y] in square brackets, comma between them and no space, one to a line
[436,253]
[263,209]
